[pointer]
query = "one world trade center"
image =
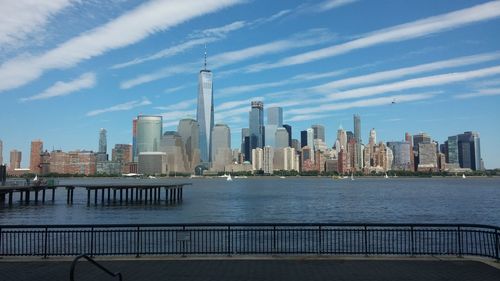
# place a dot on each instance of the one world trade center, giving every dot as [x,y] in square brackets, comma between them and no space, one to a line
[205,112]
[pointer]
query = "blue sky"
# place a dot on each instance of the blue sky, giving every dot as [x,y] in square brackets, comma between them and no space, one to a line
[69,68]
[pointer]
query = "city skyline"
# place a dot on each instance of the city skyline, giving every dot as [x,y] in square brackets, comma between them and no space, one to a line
[132,78]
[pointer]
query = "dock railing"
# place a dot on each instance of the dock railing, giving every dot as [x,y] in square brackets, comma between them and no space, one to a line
[251,239]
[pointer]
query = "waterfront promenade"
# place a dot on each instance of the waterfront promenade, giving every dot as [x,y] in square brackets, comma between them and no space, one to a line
[256,268]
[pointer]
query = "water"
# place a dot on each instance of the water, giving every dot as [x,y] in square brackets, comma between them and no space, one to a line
[274,200]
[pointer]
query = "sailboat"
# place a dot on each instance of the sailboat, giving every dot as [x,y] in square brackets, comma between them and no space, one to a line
[386,176]
[463,176]
[36,178]
[229,178]
[352,176]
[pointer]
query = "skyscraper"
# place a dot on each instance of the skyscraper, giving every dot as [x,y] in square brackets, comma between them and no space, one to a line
[35,156]
[135,156]
[401,153]
[452,150]
[342,138]
[289,130]
[303,138]
[102,154]
[245,144]
[319,132]
[281,138]
[357,137]
[189,131]
[172,146]
[274,121]
[372,139]
[15,159]
[221,147]
[149,132]
[205,112]
[469,150]
[256,122]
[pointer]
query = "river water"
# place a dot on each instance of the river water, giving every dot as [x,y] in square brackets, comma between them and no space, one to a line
[274,200]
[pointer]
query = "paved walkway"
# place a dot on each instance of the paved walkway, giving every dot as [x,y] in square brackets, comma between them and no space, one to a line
[276,269]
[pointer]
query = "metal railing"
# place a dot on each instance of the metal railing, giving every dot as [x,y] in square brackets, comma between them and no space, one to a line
[250,239]
[93,262]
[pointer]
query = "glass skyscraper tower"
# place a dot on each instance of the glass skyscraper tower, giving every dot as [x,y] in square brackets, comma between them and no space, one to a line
[256,122]
[205,112]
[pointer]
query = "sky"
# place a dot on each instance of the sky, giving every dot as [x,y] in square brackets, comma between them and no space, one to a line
[71,67]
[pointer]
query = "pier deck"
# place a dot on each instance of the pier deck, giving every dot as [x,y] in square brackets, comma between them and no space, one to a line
[102,193]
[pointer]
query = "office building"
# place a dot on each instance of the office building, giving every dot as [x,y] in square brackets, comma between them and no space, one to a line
[173,147]
[15,159]
[245,144]
[135,156]
[427,156]
[36,156]
[452,150]
[289,130]
[303,138]
[189,131]
[281,138]
[102,152]
[357,137]
[221,147]
[268,160]
[149,132]
[401,152]
[274,121]
[469,150]
[205,112]
[256,122]
[257,159]
[318,132]
[152,163]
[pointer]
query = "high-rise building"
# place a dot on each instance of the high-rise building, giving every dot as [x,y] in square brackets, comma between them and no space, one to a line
[189,131]
[268,160]
[173,147]
[469,150]
[149,133]
[281,138]
[1,152]
[221,147]
[245,144]
[303,138]
[135,157]
[310,137]
[296,144]
[36,156]
[409,139]
[256,122]
[427,156]
[357,137]
[15,159]
[452,150]
[274,121]
[289,130]
[102,153]
[122,153]
[401,152]
[342,138]
[372,139]
[419,138]
[257,159]
[319,132]
[205,111]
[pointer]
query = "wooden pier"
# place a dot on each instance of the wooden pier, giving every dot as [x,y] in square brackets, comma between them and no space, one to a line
[101,194]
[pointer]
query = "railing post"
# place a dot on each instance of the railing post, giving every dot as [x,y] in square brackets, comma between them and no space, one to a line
[45,242]
[137,241]
[229,240]
[497,245]
[412,242]
[459,240]
[365,231]
[320,244]
[274,242]
[183,242]
[92,242]
[1,244]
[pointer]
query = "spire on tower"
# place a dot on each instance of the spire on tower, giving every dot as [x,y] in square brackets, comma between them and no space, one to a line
[205,65]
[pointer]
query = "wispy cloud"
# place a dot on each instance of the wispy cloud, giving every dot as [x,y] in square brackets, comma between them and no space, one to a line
[307,117]
[363,103]
[480,93]
[120,107]
[407,71]
[129,28]
[233,104]
[185,104]
[304,39]
[412,30]
[332,4]
[85,81]
[20,19]
[421,82]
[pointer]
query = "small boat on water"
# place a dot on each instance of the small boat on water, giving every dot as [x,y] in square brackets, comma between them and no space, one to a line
[386,176]
[463,176]
[36,178]
[352,176]
[151,177]
[282,177]
[241,177]
[229,178]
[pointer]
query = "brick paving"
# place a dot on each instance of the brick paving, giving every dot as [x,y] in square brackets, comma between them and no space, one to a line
[276,269]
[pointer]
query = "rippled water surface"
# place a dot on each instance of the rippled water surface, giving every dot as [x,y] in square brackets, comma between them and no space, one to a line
[403,200]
